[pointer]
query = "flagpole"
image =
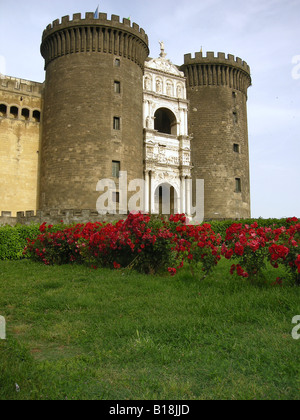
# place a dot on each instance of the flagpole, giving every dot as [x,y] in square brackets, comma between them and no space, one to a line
[96,14]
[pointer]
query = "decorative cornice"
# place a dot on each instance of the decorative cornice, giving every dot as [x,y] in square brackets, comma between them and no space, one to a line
[161,64]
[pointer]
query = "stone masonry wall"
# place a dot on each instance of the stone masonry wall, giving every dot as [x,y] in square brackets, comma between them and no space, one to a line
[20,113]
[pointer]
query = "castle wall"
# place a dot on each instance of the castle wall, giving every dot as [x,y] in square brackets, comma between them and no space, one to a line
[217,91]
[88,121]
[56,217]
[20,109]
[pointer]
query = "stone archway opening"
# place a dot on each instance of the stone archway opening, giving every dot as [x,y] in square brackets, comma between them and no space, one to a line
[165,200]
[3,110]
[165,121]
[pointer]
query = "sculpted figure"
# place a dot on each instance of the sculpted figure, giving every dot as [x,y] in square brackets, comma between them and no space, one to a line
[162,49]
[158,86]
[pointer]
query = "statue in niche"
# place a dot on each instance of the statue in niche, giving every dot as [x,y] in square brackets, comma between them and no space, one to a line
[147,83]
[169,89]
[179,91]
[158,86]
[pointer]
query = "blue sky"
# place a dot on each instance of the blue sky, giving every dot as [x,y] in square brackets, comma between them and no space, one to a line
[264,33]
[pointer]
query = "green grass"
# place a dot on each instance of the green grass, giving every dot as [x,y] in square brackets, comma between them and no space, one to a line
[76,333]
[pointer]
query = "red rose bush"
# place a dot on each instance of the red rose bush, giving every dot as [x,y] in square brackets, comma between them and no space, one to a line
[150,245]
[253,247]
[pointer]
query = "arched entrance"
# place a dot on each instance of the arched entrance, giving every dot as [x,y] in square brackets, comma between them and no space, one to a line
[166,199]
[165,121]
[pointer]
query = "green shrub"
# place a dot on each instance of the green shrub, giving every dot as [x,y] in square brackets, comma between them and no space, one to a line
[14,239]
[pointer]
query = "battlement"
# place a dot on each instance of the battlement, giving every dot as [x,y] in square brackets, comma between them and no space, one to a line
[68,217]
[220,58]
[16,85]
[94,35]
[90,20]
[211,70]
[55,217]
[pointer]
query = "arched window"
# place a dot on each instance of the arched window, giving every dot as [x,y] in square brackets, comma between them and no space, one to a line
[36,115]
[14,112]
[165,121]
[3,110]
[25,114]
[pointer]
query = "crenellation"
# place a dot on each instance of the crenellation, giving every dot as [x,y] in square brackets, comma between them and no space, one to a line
[90,19]
[200,58]
[89,16]
[29,213]
[95,35]
[6,214]
[56,217]
[68,217]
[115,18]
[103,16]
[20,85]
[76,17]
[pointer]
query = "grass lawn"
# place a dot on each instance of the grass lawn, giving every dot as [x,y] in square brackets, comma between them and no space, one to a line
[77,333]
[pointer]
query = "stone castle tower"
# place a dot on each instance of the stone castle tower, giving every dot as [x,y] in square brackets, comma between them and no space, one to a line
[92,107]
[107,108]
[217,93]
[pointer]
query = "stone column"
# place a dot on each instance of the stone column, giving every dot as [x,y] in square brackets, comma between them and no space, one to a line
[152,203]
[147,191]
[188,197]
[183,195]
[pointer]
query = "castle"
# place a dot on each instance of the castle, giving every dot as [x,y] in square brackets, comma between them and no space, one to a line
[107,110]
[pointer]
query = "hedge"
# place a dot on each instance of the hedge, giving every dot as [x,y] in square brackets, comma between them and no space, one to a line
[14,239]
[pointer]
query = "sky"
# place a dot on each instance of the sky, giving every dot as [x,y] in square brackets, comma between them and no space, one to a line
[264,33]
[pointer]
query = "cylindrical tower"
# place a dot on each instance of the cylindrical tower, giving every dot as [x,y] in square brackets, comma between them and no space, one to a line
[217,91]
[92,116]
